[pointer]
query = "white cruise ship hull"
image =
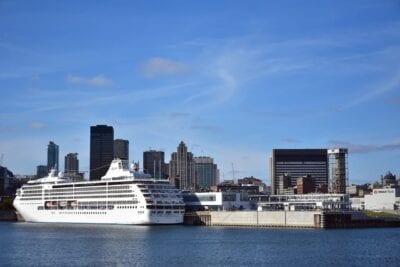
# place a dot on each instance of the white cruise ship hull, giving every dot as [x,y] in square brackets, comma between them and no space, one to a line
[122,216]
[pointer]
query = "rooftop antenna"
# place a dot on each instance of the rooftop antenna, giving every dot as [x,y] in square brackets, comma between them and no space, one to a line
[1,159]
[233,173]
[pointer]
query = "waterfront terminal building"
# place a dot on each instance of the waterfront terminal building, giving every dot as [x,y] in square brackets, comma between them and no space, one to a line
[230,201]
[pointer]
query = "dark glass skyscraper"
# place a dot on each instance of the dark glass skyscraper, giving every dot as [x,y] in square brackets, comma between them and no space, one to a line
[41,171]
[298,163]
[153,163]
[121,149]
[101,150]
[52,156]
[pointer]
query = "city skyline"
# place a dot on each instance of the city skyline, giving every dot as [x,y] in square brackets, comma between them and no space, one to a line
[234,81]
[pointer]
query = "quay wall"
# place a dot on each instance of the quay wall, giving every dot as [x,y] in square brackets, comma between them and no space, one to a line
[8,215]
[265,218]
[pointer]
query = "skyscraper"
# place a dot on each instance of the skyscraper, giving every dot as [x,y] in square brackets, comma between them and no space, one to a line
[337,170]
[52,156]
[206,173]
[153,163]
[71,163]
[101,150]
[71,167]
[41,171]
[182,168]
[298,163]
[121,149]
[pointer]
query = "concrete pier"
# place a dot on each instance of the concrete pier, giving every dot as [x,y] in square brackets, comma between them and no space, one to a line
[295,219]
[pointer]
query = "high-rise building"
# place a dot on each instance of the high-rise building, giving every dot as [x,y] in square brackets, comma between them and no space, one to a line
[71,167]
[71,163]
[121,149]
[182,169]
[298,163]
[206,173]
[153,163]
[6,181]
[337,170]
[41,171]
[52,156]
[101,150]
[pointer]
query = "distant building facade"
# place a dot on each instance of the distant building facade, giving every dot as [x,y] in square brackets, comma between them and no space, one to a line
[154,164]
[305,185]
[101,150]
[383,199]
[206,173]
[71,163]
[121,149]
[71,167]
[252,181]
[284,184]
[182,169]
[298,163]
[42,171]
[230,186]
[52,156]
[6,181]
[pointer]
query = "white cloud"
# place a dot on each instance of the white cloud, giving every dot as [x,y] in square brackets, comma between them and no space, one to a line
[98,80]
[37,125]
[161,67]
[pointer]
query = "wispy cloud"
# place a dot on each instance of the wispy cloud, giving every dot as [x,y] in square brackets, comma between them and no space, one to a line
[207,128]
[389,85]
[157,66]
[291,140]
[362,148]
[99,80]
[37,125]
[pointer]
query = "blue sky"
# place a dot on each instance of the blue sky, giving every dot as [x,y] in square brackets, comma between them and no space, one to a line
[232,79]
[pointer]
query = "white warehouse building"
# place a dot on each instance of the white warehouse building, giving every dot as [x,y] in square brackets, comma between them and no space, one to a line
[383,199]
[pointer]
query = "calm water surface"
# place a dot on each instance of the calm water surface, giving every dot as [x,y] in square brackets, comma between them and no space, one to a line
[26,244]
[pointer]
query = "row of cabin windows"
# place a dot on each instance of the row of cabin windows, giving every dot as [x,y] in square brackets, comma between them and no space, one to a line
[87,193]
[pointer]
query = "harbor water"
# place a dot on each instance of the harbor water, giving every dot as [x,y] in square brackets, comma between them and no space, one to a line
[30,244]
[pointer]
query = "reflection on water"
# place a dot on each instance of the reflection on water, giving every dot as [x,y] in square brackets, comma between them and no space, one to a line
[115,245]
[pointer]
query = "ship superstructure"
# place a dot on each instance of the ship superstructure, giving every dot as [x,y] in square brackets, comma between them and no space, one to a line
[122,196]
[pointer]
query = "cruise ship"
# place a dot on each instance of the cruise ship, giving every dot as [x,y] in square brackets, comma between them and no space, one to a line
[122,196]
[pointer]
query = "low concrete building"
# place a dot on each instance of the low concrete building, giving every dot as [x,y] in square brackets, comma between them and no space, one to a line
[357,203]
[217,201]
[383,199]
[305,202]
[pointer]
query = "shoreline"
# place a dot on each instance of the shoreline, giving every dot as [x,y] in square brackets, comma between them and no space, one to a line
[271,219]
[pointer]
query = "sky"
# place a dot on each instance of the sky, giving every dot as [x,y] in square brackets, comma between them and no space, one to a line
[232,79]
